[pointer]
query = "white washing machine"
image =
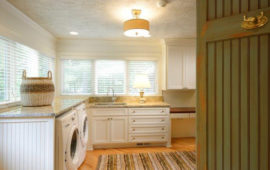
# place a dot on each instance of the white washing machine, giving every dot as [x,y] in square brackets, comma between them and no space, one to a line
[83,131]
[67,142]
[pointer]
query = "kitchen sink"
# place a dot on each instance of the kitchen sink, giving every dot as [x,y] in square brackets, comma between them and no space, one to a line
[110,104]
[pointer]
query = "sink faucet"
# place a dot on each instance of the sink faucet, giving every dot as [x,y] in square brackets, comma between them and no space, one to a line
[113,95]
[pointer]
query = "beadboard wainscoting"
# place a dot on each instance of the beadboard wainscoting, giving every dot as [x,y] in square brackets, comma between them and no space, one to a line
[27,144]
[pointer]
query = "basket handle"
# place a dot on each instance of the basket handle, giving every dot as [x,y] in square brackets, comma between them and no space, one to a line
[49,75]
[24,74]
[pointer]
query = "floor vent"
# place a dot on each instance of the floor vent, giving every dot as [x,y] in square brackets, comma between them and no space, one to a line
[143,144]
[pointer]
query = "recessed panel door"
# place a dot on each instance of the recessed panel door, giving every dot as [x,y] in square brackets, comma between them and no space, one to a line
[119,129]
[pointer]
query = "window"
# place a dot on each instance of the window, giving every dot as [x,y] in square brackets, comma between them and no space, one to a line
[98,76]
[142,67]
[110,74]
[77,77]
[14,58]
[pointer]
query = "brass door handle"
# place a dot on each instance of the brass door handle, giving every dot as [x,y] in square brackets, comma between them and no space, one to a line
[254,22]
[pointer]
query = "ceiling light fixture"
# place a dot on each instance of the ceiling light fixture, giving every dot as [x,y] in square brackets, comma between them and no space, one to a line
[136,27]
[73,33]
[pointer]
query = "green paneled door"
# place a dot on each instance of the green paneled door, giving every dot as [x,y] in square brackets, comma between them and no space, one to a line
[233,80]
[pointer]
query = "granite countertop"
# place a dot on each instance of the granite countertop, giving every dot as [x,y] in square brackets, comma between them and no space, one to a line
[62,105]
[59,106]
[182,110]
[131,104]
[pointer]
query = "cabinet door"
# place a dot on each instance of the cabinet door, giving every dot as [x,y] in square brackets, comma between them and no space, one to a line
[189,68]
[119,129]
[174,67]
[101,132]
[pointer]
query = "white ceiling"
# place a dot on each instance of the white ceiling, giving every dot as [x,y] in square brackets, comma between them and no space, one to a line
[104,18]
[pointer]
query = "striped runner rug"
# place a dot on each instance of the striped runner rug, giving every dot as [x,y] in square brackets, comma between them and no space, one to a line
[148,161]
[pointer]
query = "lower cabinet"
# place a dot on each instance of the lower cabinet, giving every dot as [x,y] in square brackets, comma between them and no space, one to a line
[118,129]
[101,130]
[129,126]
[109,129]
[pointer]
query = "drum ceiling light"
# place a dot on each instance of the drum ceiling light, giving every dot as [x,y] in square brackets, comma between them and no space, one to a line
[136,27]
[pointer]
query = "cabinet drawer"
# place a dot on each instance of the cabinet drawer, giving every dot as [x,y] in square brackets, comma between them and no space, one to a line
[148,111]
[147,129]
[108,111]
[148,137]
[148,120]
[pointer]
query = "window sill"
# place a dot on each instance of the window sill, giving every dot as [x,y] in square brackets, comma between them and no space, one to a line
[9,104]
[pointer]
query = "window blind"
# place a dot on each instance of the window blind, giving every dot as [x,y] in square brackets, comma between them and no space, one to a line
[14,58]
[142,67]
[99,76]
[77,77]
[110,74]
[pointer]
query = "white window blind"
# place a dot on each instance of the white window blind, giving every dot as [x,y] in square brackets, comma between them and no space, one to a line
[110,74]
[14,58]
[142,67]
[98,76]
[77,77]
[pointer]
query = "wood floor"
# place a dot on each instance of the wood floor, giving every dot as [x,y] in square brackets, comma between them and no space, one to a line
[178,144]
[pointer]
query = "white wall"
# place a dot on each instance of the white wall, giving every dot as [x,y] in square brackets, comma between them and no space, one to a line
[143,49]
[17,26]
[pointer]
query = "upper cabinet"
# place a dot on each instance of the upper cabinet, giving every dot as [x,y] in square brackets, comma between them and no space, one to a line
[180,66]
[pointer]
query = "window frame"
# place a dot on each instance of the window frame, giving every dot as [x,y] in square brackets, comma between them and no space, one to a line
[62,79]
[126,88]
[17,51]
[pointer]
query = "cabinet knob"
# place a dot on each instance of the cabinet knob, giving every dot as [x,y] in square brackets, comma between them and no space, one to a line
[162,120]
[133,138]
[133,111]
[162,137]
[162,129]
[133,129]
[108,118]
[162,111]
[134,120]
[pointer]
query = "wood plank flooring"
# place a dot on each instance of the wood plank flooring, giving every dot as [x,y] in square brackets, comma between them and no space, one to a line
[178,144]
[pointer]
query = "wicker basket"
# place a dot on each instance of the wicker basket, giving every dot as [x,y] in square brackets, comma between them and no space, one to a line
[37,91]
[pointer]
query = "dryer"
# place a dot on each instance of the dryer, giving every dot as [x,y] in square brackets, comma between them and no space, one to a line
[83,131]
[67,142]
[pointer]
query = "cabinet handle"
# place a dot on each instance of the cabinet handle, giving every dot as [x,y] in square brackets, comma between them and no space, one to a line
[133,111]
[162,137]
[133,129]
[134,120]
[162,120]
[162,111]
[133,138]
[162,129]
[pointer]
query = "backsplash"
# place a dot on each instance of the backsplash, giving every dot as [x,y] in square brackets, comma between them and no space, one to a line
[178,98]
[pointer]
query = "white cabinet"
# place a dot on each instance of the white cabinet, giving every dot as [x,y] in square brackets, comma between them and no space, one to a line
[129,126]
[181,64]
[107,128]
[189,68]
[174,68]
[101,130]
[119,129]
[148,125]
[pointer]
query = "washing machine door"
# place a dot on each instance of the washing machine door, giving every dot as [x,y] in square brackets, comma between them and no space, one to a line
[84,130]
[72,149]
